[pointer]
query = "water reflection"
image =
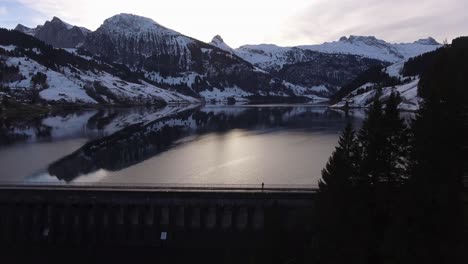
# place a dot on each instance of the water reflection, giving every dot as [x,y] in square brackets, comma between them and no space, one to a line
[226,145]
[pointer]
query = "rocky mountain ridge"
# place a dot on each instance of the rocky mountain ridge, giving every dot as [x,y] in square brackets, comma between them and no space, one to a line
[57,33]
[214,71]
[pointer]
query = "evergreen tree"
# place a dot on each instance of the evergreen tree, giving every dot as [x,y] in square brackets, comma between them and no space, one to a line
[384,142]
[371,139]
[337,221]
[341,167]
[437,159]
[396,147]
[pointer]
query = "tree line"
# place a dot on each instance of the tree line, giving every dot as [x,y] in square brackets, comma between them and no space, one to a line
[392,191]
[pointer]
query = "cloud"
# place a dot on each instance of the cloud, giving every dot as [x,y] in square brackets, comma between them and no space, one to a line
[239,22]
[289,22]
[397,20]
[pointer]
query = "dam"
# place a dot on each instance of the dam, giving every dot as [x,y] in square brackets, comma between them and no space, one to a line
[168,217]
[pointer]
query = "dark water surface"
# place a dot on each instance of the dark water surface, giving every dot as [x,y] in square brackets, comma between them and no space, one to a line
[211,145]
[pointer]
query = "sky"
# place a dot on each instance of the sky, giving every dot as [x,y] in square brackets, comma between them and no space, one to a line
[239,22]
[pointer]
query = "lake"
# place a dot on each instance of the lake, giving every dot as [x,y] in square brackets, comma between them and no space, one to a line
[284,145]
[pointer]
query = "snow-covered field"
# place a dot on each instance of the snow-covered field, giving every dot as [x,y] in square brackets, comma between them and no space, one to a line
[394,70]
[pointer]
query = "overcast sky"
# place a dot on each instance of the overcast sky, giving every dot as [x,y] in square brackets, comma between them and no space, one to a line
[287,23]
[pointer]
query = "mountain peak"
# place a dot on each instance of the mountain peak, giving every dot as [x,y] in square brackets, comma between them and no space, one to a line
[20,27]
[427,41]
[130,24]
[219,42]
[59,22]
[217,39]
[26,30]
[366,40]
[60,34]
[56,19]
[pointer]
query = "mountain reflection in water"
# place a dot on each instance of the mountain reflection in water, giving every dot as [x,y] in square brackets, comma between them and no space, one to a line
[192,145]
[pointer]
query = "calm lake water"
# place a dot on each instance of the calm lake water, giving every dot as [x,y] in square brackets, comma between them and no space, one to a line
[210,145]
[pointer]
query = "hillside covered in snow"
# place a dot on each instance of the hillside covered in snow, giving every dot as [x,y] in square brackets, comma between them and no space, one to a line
[331,64]
[401,77]
[32,70]
[270,56]
[361,98]
[156,57]
[132,60]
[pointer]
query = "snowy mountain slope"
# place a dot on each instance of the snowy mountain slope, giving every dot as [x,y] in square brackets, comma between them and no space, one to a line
[57,33]
[159,57]
[174,61]
[130,39]
[408,93]
[371,47]
[361,91]
[218,41]
[313,92]
[333,64]
[394,70]
[76,77]
[332,71]
[65,86]
[272,57]
[307,68]
[34,70]
[26,30]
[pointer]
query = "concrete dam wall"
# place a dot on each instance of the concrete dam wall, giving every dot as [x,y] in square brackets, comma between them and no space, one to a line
[154,218]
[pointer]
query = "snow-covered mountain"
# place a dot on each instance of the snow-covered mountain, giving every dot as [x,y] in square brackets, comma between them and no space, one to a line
[134,40]
[331,71]
[306,67]
[175,61]
[218,41]
[272,57]
[362,97]
[57,33]
[156,57]
[331,64]
[402,77]
[405,86]
[371,47]
[26,30]
[157,63]
[427,41]
[32,72]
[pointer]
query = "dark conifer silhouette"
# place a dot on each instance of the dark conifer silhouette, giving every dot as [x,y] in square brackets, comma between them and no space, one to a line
[396,147]
[406,206]
[341,167]
[437,158]
[335,200]
[371,140]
